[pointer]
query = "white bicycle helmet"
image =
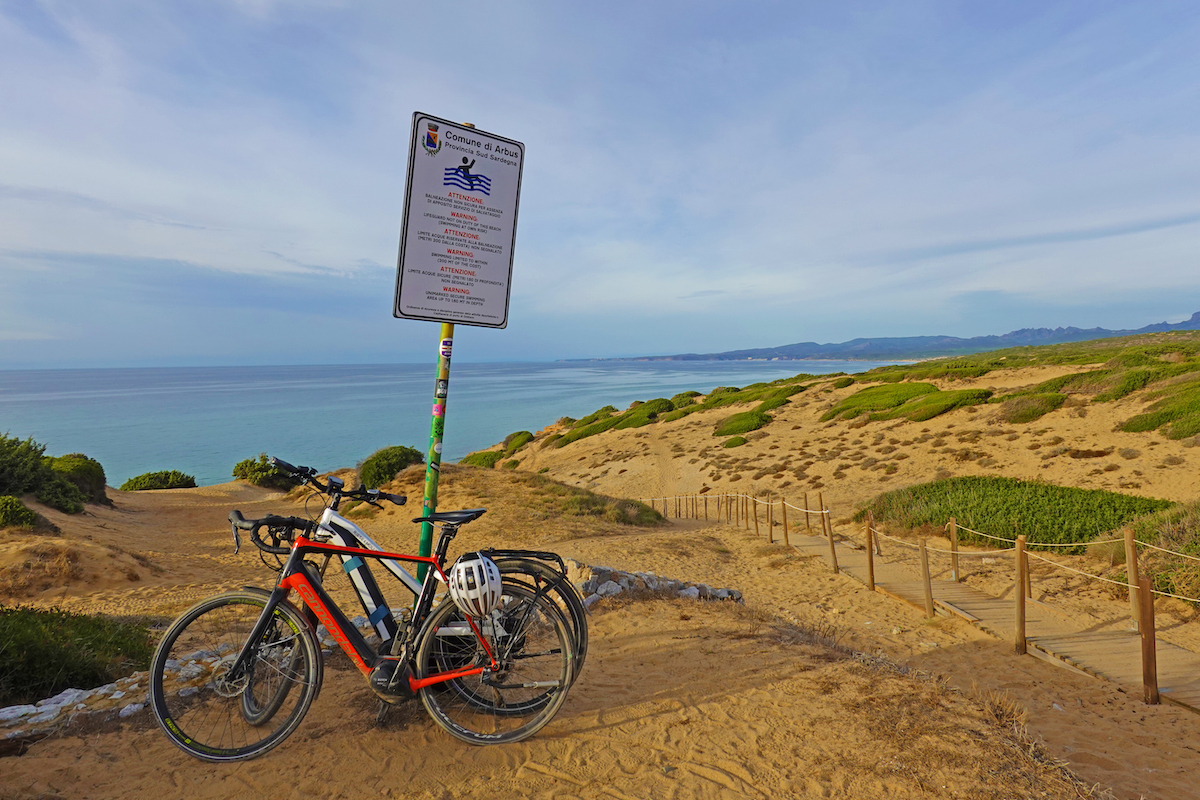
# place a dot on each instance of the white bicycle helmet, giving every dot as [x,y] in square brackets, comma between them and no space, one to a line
[475,584]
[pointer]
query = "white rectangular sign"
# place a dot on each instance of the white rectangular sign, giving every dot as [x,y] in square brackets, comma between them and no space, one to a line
[460,224]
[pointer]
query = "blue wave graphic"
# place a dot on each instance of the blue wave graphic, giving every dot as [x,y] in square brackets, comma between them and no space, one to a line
[453,176]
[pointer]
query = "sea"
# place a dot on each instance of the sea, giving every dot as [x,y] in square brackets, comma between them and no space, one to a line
[203,420]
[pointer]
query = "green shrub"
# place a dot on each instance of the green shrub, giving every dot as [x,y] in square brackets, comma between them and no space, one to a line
[14,514]
[934,404]
[21,467]
[1027,408]
[24,470]
[742,423]
[842,383]
[1008,507]
[165,479]
[771,403]
[383,465]
[595,416]
[684,399]
[43,652]
[644,414]
[58,492]
[484,458]
[515,441]
[86,473]
[1177,412]
[510,464]
[877,398]
[263,473]
[736,441]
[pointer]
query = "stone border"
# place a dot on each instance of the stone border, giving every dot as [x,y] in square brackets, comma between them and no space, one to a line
[22,725]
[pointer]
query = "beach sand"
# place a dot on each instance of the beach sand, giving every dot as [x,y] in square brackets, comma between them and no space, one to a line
[679,699]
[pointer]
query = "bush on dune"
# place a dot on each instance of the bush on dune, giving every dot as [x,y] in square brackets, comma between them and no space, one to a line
[164,479]
[263,473]
[385,464]
[24,469]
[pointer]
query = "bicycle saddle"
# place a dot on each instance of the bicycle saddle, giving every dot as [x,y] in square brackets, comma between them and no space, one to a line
[453,517]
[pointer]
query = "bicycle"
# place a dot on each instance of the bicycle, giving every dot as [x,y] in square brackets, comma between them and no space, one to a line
[235,674]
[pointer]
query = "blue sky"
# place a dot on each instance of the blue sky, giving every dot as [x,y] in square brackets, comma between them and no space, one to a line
[222,182]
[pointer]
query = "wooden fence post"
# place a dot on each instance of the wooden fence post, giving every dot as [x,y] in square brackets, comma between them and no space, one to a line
[870,551]
[929,612]
[1149,654]
[754,501]
[706,508]
[1028,578]
[783,510]
[828,523]
[807,524]
[770,520]
[954,573]
[1131,575]
[1019,595]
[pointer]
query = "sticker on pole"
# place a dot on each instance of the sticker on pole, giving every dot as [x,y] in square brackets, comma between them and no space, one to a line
[459,226]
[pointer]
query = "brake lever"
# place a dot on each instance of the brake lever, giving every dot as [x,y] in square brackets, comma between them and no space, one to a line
[237,540]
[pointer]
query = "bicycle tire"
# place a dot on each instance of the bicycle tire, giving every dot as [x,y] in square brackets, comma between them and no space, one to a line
[266,690]
[204,714]
[544,579]
[533,643]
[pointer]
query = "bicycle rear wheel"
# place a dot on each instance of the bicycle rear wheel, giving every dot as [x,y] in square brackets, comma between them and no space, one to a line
[216,716]
[543,579]
[530,638]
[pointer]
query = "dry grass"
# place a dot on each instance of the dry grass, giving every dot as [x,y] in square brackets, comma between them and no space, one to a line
[46,566]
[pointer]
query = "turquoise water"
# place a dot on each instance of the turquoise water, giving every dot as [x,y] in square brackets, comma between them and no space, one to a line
[203,420]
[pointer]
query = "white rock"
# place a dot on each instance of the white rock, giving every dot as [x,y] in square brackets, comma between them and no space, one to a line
[130,710]
[608,589]
[65,697]
[690,593]
[188,691]
[591,600]
[13,712]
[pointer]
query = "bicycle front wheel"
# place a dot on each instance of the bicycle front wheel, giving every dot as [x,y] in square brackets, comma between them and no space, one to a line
[214,714]
[532,643]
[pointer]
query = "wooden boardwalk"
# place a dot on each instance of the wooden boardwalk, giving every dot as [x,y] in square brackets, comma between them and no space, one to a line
[1050,634]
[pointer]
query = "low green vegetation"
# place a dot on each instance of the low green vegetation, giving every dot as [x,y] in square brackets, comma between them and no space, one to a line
[1007,507]
[934,404]
[484,458]
[1160,367]
[736,441]
[1176,411]
[513,464]
[85,473]
[842,383]
[551,498]
[744,422]
[263,473]
[165,479]
[515,441]
[25,469]
[877,398]
[14,514]
[1027,408]
[43,652]
[386,463]
[1178,529]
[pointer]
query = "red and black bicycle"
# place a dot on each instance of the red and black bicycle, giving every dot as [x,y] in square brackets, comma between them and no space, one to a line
[236,673]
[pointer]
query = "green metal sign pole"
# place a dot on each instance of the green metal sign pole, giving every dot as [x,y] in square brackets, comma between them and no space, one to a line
[433,460]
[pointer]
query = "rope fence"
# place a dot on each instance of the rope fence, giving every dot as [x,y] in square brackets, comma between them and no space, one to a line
[744,510]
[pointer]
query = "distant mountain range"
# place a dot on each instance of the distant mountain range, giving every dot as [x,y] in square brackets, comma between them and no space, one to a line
[915,347]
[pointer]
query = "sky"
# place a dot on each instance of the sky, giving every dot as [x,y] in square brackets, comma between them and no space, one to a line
[222,183]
